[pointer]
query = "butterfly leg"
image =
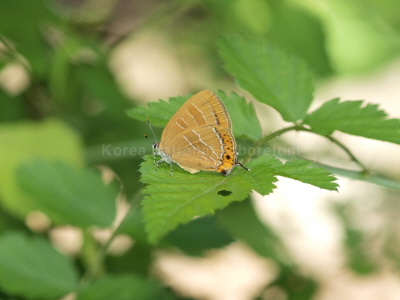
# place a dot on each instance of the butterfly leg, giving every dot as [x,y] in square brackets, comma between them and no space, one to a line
[157,162]
[162,160]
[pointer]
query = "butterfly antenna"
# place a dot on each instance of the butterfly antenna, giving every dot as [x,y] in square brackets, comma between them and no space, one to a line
[151,128]
[154,143]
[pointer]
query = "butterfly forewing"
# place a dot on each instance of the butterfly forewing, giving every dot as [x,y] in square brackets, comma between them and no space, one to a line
[204,108]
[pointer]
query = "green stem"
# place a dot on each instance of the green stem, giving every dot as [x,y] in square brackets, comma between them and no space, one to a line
[164,13]
[345,149]
[341,145]
[267,138]
[275,134]
[11,54]
[94,268]
[97,264]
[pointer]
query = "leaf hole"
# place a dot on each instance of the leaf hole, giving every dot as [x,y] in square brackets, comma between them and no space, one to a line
[224,193]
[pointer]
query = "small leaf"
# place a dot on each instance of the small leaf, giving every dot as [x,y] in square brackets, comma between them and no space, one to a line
[173,200]
[32,268]
[281,81]
[159,113]
[300,31]
[133,225]
[300,170]
[68,195]
[349,117]
[123,287]
[27,36]
[242,114]
[265,159]
[296,285]
[23,141]
[357,243]
[100,85]
[199,235]
[13,108]
[359,175]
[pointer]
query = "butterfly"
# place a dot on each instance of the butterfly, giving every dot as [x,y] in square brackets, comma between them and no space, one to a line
[199,137]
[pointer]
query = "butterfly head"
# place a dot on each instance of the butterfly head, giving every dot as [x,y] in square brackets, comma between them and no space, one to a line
[155,146]
[157,151]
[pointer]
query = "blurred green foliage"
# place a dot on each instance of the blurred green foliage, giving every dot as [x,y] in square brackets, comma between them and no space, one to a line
[70,107]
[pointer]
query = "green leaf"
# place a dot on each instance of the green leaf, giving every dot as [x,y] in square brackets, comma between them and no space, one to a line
[159,113]
[133,225]
[242,222]
[173,200]
[357,243]
[23,141]
[253,16]
[68,195]
[359,175]
[296,285]
[357,251]
[199,235]
[100,85]
[300,170]
[265,159]
[123,287]
[193,238]
[13,108]
[369,44]
[32,268]
[349,117]
[301,32]
[281,81]
[28,35]
[242,114]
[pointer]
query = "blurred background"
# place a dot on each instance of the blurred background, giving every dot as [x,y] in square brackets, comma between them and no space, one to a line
[70,68]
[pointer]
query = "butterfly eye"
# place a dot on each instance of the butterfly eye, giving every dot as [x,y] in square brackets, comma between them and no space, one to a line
[155,145]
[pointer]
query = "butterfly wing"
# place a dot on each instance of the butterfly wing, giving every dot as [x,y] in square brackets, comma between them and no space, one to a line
[207,147]
[204,108]
[199,136]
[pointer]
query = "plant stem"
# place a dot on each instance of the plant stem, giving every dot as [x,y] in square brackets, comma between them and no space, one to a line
[164,13]
[94,268]
[341,145]
[101,254]
[345,149]
[269,137]
[277,133]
